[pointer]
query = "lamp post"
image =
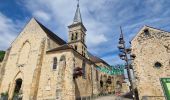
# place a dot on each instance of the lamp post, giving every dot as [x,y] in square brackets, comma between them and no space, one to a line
[124,55]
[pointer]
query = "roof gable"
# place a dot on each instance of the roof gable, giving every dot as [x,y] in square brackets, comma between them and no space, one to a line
[31,25]
[146,27]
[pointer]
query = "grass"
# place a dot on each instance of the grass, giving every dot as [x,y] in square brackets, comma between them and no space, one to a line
[2,54]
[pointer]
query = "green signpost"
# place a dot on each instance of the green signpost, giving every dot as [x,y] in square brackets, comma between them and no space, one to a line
[166,87]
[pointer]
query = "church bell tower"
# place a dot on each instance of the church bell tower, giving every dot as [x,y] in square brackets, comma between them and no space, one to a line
[77,33]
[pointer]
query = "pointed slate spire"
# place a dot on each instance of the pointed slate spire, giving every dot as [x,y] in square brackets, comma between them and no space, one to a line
[121,34]
[77,17]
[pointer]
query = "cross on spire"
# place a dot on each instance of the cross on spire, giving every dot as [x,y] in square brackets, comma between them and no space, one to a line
[77,3]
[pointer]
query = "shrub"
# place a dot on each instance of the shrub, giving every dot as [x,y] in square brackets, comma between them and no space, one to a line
[2,54]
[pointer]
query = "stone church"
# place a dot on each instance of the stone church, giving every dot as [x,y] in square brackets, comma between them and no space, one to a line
[152,49]
[39,65]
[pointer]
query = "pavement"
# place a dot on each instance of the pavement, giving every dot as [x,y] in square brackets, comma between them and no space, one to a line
[111,97]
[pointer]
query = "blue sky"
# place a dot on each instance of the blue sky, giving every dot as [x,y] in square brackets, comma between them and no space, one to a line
[102,18]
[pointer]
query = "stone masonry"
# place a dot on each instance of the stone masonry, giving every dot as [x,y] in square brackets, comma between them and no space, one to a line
[152,49]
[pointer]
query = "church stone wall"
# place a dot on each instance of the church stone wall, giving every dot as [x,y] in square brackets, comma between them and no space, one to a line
[57,83]
[51,44]
[150,49]
[3,64]
[22,59]
[83,84]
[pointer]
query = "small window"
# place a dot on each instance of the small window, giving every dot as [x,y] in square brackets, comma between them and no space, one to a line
[97,76]
[146,32]
[101,83]
[82,38]
[75,47]
[158,65]
[54,63]
[76,36]
[63,58]
[84,70]
[72,36]
[48,42]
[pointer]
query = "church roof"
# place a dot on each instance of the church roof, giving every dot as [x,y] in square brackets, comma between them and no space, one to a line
[52,35]
[62,47]
[96,59]
[77,17]
[93,58]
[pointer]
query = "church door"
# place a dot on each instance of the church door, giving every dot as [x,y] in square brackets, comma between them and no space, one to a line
[17,91]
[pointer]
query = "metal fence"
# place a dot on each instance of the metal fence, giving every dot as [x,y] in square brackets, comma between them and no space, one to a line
[153,98]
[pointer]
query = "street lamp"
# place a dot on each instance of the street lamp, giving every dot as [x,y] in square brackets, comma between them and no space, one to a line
[125,53]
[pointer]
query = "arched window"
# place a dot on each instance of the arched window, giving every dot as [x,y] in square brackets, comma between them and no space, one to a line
[24,53]
[18,85]
[54,63]
[72,36]
[62,58]
[76,36]
[97,77]
[84,70]
[75,47]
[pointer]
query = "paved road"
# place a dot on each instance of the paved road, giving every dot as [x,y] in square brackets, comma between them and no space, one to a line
[111,98]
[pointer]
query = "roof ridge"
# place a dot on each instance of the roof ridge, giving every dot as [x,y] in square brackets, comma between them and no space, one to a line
[51,34]
[156,28]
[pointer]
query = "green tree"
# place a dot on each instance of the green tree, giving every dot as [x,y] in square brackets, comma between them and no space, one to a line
[2,54]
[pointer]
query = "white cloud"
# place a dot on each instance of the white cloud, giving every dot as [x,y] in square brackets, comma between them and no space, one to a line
[96,39]
[62,12]
[98,17]
[42,15]
[8,30]
[101,18]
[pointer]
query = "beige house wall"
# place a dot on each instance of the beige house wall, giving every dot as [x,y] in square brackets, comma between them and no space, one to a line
[149,50]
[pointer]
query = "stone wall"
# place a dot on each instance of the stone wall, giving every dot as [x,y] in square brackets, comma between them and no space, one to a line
[57,83]
[83,84]
[107,88]
[22,59]
[51,44]
[152,62]
[3,64]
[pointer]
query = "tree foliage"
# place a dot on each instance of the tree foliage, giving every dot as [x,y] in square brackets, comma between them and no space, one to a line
[2,54]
